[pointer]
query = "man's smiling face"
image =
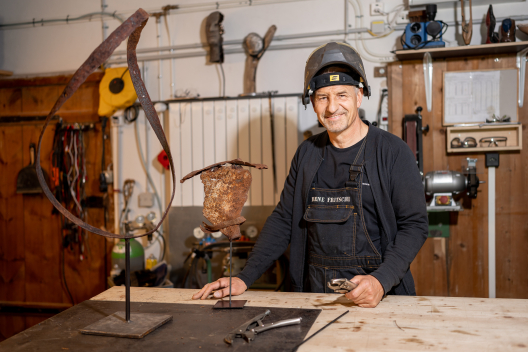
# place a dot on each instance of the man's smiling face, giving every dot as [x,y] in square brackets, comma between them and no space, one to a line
[337,106]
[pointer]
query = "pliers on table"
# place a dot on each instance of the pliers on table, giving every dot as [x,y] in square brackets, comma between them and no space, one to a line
[250,328]
[341,285]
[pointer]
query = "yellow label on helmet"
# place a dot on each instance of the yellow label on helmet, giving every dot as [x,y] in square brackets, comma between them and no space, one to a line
[334,78]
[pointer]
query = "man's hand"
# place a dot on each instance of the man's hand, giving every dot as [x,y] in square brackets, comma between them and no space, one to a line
[222,287]
[368,293]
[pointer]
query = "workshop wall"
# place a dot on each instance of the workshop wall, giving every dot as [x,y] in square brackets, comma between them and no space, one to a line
[51,48]
[458,265]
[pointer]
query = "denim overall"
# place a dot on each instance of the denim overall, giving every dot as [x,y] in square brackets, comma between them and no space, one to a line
[338,242]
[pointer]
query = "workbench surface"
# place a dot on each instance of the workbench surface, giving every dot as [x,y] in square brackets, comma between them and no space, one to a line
[398,323]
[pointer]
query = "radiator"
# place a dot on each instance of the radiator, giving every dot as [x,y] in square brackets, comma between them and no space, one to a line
[203,132]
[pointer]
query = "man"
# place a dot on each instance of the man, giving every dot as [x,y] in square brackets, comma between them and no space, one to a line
[353,204]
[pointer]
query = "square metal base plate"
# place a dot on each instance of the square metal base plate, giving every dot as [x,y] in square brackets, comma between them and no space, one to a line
[224,304]
[115,325]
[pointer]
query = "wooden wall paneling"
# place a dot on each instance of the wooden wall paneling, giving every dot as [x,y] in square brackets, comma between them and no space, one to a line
[10,101]
[255,150]
[511,210]
[41,231]
[186,155]
[468,257]
[412,96]
[466,250]
[243,135]
[268,196]
[197,150]
[175,145]
[394,82]
[12,244]
[281,164]
[37,231]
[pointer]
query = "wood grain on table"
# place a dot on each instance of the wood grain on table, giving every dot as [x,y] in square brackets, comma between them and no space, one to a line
[398,323]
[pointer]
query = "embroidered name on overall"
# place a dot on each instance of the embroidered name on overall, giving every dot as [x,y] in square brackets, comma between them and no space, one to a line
[330,199]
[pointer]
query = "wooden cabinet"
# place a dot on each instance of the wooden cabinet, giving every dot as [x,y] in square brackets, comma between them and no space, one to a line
[458,265]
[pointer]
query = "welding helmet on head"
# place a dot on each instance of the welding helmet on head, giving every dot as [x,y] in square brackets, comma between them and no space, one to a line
[331,54]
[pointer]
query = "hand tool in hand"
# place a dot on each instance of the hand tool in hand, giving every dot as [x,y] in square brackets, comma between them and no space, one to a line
[318,331]
[341,285]
[250,328]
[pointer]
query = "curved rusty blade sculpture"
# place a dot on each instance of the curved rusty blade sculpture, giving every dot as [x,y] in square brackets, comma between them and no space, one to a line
[226,187]
[131,28]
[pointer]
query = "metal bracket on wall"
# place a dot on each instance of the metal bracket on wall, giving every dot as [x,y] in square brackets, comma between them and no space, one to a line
[521,65]
[428,79]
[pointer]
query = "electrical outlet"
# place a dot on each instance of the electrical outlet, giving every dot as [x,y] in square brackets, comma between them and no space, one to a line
[402,17]
[376,9]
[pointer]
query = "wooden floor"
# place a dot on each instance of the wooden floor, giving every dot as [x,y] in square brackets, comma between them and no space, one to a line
[399,323]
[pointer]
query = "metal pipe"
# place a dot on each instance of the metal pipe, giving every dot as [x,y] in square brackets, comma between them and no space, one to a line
[127,279]
[239,41]
[227,51]
[491,232]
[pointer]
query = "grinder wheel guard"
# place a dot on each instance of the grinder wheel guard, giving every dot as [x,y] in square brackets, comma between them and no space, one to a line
[226,187]
[131,28]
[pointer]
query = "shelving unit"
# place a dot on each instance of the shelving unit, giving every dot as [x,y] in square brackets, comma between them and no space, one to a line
[462,51]
[511,131]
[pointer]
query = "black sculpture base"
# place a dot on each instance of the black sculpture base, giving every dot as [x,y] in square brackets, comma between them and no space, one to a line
[115,325]
[238,304]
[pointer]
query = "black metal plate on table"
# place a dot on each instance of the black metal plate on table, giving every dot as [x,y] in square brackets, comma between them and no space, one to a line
[193,327]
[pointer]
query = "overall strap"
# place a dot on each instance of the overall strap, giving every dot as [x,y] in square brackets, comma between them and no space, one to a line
[355,169]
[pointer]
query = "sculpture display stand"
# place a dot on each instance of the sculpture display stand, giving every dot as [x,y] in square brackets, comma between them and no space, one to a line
[122,324]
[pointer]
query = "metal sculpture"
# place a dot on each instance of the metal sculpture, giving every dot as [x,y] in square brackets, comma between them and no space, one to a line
[131,28]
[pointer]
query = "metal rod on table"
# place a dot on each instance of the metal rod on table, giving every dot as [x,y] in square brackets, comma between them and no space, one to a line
[230,268]
[127,279]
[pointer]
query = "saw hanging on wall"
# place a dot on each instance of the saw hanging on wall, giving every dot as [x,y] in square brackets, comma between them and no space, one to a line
[116,91]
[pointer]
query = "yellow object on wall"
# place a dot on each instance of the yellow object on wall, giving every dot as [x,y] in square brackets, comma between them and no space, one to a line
[109,101]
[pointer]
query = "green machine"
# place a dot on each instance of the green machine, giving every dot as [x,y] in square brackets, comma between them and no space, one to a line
[137,255]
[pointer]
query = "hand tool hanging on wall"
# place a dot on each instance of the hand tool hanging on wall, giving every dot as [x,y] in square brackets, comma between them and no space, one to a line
[467,28]
[491,35]
[255,47]
[27,180]
[214,31]
[412,135]
[226,185]
[131,28]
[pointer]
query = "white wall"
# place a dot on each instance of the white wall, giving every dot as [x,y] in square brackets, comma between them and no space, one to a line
[63,47]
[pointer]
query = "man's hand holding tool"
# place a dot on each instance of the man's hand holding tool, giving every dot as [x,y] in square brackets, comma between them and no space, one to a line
[364,290]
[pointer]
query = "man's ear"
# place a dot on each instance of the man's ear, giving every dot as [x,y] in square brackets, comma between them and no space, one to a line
[312,100]
[359,97]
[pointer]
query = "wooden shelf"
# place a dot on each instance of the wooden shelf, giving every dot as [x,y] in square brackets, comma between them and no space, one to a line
[471,50]
[512,131]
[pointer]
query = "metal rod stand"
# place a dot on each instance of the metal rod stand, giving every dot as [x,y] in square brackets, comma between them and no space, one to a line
[230,268]
[127,279]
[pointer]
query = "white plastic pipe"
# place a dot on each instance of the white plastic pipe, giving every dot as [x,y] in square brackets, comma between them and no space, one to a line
[491,232]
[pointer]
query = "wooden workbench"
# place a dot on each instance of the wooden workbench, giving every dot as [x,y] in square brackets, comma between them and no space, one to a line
[399,323]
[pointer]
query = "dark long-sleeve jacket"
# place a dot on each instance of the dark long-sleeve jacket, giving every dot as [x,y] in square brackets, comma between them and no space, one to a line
[400,203]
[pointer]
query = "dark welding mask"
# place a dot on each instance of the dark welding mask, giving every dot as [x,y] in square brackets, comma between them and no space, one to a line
[214,31]
[333,54]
